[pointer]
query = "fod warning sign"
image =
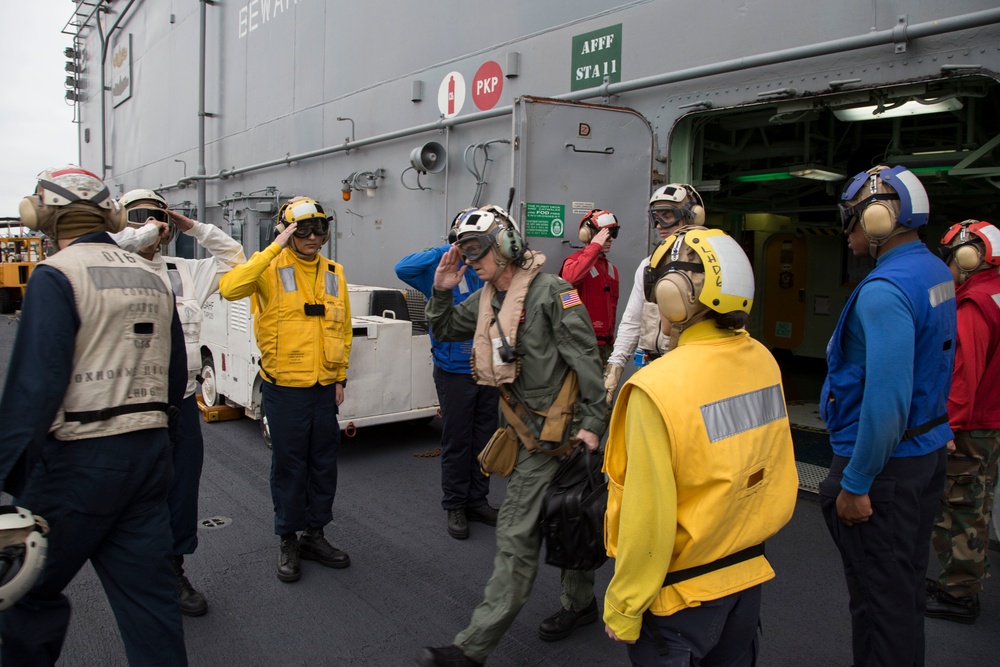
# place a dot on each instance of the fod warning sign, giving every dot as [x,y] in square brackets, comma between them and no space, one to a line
[547,220]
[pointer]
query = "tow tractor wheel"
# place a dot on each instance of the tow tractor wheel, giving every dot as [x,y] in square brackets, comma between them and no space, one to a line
[209,390]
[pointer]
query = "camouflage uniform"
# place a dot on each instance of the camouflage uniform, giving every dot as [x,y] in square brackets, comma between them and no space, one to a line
[962,530]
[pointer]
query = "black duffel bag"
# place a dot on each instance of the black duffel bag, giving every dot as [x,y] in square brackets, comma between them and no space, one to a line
[572,519]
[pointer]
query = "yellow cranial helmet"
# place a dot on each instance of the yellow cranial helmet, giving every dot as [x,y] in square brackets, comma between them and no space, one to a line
[698,269]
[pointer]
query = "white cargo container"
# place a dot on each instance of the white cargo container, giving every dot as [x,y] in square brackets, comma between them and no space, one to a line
[390,374]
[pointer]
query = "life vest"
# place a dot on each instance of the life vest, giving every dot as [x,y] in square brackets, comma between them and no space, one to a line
[928,286]
[487,343]
[304,331]
[121,358]
[598,290]
[983,289]
[721,399]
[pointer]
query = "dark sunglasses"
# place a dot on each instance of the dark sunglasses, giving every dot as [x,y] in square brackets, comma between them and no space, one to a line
[307,227]
[139,216]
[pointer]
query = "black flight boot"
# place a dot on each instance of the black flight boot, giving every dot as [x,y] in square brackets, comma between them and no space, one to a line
[560,624]
[483,514]
[288,559]
[313,546]
[959,609]
[445,656]
[192,602]
[458,526]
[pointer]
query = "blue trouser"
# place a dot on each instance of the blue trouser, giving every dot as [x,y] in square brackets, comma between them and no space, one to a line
[720,633]
[188,456]
[106,501]
[885,558]
[469,418]
[305,436]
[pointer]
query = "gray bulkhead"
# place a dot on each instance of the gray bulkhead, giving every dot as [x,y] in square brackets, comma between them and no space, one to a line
[301,95]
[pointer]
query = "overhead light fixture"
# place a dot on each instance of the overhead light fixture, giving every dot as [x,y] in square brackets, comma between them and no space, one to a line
[815,173]
[909,108]
[762,177]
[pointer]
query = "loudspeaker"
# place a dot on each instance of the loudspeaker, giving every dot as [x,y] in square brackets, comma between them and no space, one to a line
[429,158]
[968,257]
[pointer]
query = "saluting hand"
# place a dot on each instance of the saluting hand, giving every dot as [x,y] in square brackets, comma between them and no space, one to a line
[601,237]
[283,237]
[450,270]
[183,222]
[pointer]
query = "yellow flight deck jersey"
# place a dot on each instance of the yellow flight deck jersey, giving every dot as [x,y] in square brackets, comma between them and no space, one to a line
[302,315]
[701,466]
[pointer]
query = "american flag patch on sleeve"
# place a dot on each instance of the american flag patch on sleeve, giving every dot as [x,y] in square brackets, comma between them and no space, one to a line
[570,299]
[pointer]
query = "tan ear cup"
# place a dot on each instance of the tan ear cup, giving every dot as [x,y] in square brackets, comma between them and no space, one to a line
[117,217]
[699,215]
[877,220]
[967,257]
[31,210]
[674,297]
[586,234]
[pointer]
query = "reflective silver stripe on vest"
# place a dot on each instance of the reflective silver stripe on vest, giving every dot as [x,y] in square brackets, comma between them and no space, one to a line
[287,274]
[107,277]
[593,272]
[332,284]
[941,293]
[996,300]
[176,284]
[743,413]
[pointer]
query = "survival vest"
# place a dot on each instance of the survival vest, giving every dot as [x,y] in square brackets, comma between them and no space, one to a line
[304,333]
[122,356]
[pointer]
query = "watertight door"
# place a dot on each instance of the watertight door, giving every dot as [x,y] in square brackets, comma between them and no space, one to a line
[571,157]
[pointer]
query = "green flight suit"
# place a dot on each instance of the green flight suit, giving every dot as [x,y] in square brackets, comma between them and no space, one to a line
[550,340]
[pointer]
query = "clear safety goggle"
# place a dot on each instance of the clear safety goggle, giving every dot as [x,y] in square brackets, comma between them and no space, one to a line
[666,217]
[317,226]
[475,246]
[139,216]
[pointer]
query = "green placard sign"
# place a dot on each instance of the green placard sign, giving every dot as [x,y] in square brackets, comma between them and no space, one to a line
[548,220]
[596,55]
[783,329]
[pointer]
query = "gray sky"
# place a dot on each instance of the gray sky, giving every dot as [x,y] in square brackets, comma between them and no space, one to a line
[36,123]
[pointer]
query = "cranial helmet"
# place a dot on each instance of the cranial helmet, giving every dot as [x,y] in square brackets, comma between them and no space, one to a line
[681,199]
[595,221]
[453,230]
[972,246]
[697,270]
[490,227]
[886,201]
[140,205]
[22,552]
[300,210]
[70,201]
